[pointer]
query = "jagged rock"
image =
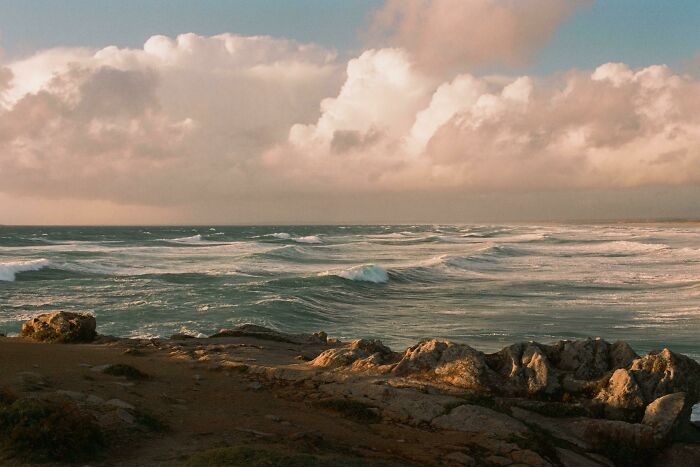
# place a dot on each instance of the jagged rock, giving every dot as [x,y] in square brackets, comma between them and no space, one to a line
[260,332]
[60,326]
[590,358]
[665,372]
[622,396]
[667,413]
[525,369]
[476,419]
[362,354]
[446,362]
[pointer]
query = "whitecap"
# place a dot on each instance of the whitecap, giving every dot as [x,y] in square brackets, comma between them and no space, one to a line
[9,270]
[363,273]
[308,239]
[280,235]
[193,239]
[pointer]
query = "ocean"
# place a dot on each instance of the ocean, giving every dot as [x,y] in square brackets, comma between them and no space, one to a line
[485,285]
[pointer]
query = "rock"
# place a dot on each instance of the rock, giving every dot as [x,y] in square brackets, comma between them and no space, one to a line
[255,386]
[529,458]
[666,414]
[60,326]
[569,458]
[498,460]
[601,434]
[74,395]
[622,396]
[120,404]
[94,400]
[399,404]
[125,416]
[459,458]
[181,337]
[475,419]
[446,362]
[361,354]
[556,428]
[590,358]
[665,372]
[525,369]
[260,332]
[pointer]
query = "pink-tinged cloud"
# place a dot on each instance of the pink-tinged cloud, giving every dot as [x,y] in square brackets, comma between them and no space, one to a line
[460,34]
[226,121]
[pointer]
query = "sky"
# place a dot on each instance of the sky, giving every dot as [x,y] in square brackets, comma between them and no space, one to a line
[367,111]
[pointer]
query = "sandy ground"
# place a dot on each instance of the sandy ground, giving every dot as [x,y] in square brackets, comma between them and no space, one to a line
[206,409]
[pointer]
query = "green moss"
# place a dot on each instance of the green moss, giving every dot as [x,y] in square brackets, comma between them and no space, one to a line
[353,409]
[40,430]
[127,371]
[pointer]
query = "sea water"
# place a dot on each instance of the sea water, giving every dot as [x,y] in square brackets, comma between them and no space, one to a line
[488,286]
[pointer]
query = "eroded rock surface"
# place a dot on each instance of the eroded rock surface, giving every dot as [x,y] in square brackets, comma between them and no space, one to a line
[60,327]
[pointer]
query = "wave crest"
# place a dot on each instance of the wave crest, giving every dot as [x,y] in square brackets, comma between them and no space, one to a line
[365,273]
[9,270]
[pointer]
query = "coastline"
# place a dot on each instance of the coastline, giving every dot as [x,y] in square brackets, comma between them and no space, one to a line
[359,403]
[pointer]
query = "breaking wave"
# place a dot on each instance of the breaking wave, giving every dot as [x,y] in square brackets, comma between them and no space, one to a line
[364,273]
[9,270]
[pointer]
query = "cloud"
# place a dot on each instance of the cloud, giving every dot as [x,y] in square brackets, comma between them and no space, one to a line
[461,34]
[181,119]
[612,127]
[256,127]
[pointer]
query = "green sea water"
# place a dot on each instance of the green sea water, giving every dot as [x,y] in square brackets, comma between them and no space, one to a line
[486,285]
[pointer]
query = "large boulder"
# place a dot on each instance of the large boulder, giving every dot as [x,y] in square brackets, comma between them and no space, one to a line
[442,361]
[622,396]
[263,333]
[362,354]
[666,414]
[61,327]
[589,358]
[525,369]
[662,373]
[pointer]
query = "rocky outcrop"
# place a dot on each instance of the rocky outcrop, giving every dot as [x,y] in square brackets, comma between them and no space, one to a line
[263,333]
[666,372]
[525,369]
[590,358]
[476,419]
[666,414]
[445,362]
[622,396]
[590,377]
[363,354]
[60,327]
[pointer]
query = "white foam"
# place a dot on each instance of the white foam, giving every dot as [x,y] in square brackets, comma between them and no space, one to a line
[193,239]
[308,239]
[9,270]
[364,273]
[616,247]
[280,235]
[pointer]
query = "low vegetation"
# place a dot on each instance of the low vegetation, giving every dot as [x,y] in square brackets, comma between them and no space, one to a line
[41,431]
